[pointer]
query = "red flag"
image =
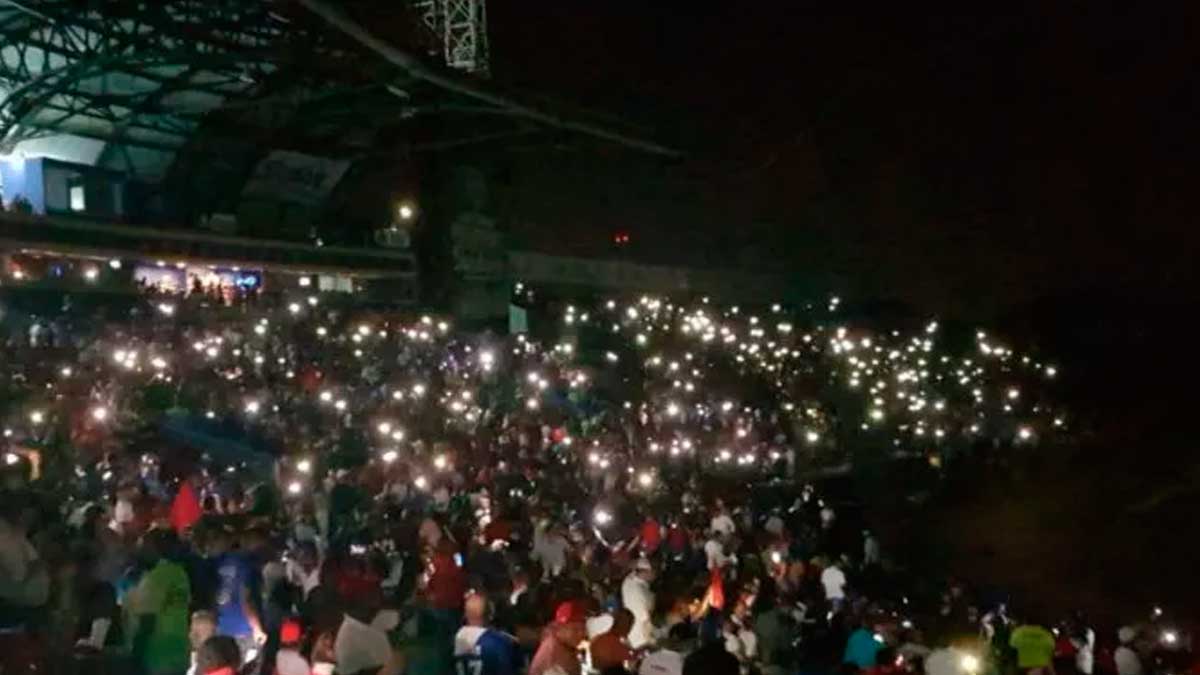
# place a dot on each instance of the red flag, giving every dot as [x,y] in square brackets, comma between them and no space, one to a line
[716,589]
[185,510]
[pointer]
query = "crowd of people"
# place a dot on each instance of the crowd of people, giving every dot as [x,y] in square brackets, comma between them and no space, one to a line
[283,488]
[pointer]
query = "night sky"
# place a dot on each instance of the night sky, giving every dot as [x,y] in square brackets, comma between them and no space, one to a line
[961,161]
[1033,169]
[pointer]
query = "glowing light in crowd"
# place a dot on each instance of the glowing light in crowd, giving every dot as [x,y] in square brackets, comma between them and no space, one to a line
[295,487]
[11,458]
[602,517]
[115,264]
[692,358]
[969,663]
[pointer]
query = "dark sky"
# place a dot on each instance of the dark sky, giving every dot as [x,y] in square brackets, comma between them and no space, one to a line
[953,157]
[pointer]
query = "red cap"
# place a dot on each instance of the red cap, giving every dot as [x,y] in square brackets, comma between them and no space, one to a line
[290,632]
[571,611]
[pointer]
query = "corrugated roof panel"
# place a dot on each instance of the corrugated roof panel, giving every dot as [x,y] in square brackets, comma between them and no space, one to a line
[82,124]
[65,147]
[151,136]
[10,57]
[118,84]
[192,100]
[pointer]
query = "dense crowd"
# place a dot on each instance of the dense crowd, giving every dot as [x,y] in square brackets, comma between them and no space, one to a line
[280,487]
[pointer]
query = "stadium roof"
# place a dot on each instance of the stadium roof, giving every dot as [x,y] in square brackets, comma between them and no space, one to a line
[127,84]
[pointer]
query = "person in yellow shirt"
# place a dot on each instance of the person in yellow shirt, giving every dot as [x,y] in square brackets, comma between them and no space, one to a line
[159,608]
[1035,649]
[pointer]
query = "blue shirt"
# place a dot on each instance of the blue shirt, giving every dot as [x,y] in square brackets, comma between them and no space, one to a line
[235,576]
[861,648]
[483,651]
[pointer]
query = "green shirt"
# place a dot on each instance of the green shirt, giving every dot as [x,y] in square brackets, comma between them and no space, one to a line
[1034,645]
[165,594]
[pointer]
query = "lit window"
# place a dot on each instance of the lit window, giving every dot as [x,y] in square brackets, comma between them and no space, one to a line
[77,201]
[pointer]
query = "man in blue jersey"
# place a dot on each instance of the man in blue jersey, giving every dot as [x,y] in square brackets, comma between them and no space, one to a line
[236,594]
[480,650]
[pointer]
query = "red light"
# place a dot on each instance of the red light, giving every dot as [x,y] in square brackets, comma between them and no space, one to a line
[621,238]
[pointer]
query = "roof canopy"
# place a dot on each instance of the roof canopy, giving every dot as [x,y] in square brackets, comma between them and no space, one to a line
[128,83]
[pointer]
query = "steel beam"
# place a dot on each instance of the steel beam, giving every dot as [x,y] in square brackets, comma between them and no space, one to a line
[416,68]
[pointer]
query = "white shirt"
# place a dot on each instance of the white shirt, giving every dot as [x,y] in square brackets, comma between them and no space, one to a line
[637,598]
[944,661]
[774,525]
[1127,661]
[307,581]
[834,581]
[715,551]
[722,523]
[741,643]
[290,662]
[598,624]
[360,647]
[827,516]
[1085,654]
[870,551]
[465,639]
[551,551]
[662,662]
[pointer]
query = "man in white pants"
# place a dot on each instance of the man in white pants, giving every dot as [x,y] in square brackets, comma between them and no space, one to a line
[639,599]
